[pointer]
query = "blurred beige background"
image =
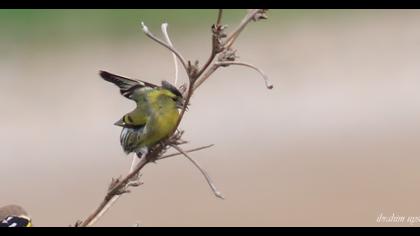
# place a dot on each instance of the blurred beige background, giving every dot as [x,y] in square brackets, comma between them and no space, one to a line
[335,143]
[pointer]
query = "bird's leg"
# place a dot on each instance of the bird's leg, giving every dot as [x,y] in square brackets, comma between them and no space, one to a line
[133,167]
[136,161]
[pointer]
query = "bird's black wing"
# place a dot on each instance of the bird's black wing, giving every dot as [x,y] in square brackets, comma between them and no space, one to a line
[126,85]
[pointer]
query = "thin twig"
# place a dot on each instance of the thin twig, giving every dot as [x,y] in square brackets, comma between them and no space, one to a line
[112,195]
[219,17]
[164,28]
[206,176]
[150,35]
[187,151]
[209,61]
[215,43]
[267,81]
[231,39]
[203,78]
[106,207]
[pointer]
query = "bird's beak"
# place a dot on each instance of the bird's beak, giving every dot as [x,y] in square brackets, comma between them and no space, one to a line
[120,123]
[180,103]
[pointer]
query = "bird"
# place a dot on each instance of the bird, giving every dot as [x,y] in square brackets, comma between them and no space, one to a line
[14,216]
[155,116]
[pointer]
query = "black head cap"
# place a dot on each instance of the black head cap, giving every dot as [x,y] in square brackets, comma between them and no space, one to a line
[170,87]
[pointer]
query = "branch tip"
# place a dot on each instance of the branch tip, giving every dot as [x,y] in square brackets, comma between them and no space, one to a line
[203,171]
[144,27]
[164,28]
[267,81]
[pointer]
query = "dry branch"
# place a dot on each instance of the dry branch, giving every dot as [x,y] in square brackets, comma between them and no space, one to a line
[196,77]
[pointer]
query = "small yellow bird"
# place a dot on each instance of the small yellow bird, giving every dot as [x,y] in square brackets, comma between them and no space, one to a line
[155,116]
[14,216]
